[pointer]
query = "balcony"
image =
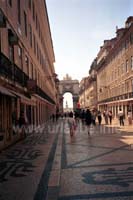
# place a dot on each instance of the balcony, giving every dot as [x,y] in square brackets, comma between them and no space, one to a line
[42,94]
[12,72]
[2,20]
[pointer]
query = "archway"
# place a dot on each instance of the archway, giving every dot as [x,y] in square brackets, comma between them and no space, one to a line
[67,102]
[69,85]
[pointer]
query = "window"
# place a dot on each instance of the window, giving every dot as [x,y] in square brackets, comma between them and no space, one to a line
[32,71]
[131,62]
[37,51]
[33,10]
[131,38]
[30,30]
[132,85]
[127,86]
[19,11]
[123,68]
[119,72]
[30,4]
[126,67]
[36,22]
[126,44]
[20,56]
[11,53]
[10,2]
[27,64]
[34,44]
[39,30]
[35,75]
[25,23]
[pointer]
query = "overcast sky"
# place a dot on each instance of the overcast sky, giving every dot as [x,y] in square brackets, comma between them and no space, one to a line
[78,29]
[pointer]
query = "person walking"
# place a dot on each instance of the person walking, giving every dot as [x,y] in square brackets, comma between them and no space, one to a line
[105,114]
[99,117]
[22,124]
[110,116]
[93,116]
[129,116]
[71,123]
[121,117]
[88,119]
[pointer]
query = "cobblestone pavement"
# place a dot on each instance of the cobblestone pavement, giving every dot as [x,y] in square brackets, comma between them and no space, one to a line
[52,165]
[25,167]
[98,166]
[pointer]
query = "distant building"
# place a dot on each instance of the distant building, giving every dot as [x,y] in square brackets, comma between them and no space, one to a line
[88,92]
[27,74]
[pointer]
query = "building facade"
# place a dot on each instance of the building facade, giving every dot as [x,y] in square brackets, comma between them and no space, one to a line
[27,74]
[82,93]
[88,89]
[115,72]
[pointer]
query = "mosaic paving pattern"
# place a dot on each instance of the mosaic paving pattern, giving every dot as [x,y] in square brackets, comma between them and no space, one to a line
[99,166]
[25,167]
[18,163]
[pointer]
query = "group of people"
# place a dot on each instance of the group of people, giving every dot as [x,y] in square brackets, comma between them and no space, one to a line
[89,117]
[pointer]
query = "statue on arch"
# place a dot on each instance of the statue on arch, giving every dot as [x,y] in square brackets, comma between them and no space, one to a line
[67,77]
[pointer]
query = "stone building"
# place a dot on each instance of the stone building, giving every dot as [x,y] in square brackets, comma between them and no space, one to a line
[88,89]
[82,93]
[27,74]
[115,71]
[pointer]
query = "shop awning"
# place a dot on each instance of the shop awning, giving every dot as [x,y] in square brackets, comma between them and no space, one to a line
[5,91]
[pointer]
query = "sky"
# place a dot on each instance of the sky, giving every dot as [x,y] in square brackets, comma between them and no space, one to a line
[78,29]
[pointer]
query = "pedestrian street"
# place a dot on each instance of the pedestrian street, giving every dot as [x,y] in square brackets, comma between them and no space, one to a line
[55,166]
[97,166]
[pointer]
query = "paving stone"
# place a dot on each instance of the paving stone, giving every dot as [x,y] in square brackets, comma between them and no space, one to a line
[96,167]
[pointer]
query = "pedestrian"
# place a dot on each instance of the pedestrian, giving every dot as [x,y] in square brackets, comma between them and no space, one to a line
[105,114]
[121,117]
[129,116]
[83,116]
[110,116]
[93,116]
[71,123]
[56,116]
[88,119]
[99,117]
[22,124]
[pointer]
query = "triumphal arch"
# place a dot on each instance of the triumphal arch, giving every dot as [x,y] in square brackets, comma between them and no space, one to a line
[69,85]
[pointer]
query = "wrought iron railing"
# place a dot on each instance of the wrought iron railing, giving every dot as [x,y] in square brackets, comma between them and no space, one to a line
[12,72]
[42,94]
